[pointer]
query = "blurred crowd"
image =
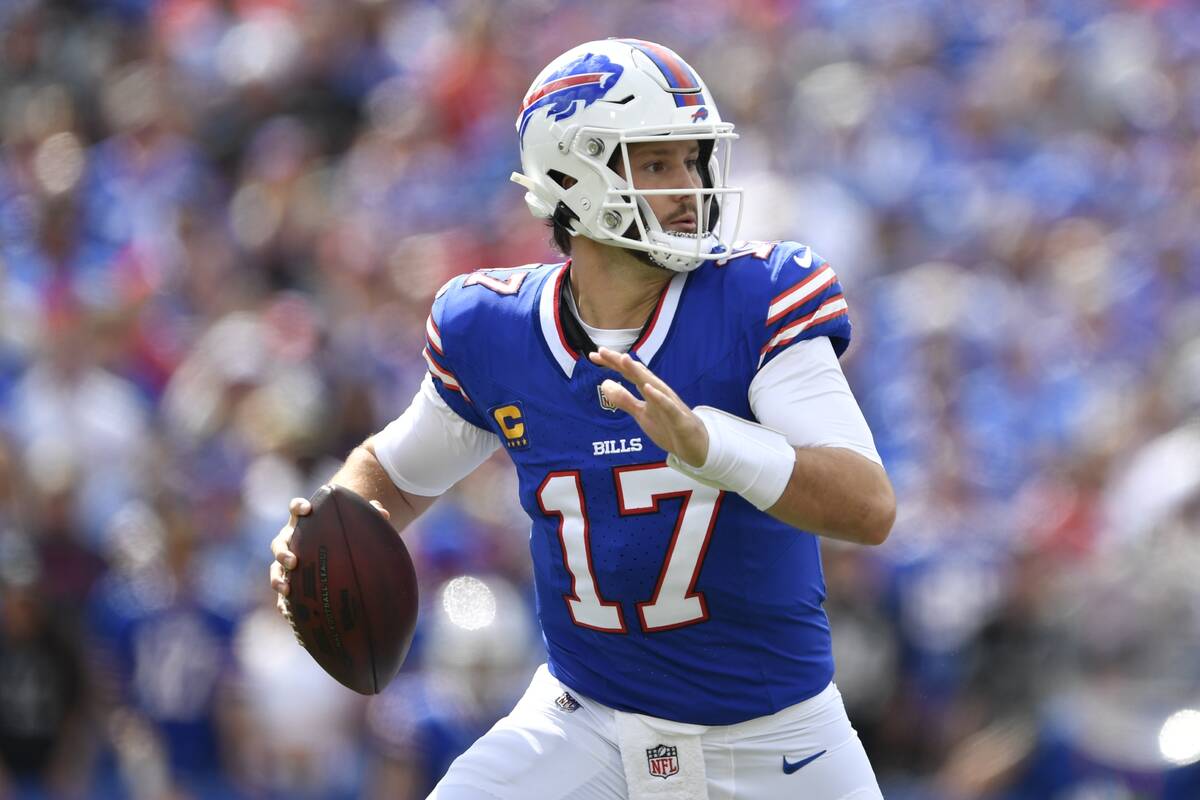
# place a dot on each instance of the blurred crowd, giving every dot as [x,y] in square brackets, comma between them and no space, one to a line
[221,226]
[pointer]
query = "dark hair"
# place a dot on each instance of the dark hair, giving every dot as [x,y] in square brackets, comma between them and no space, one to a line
[560,232]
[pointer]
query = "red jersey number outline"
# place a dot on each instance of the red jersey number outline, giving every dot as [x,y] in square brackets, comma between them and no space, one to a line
[640,488]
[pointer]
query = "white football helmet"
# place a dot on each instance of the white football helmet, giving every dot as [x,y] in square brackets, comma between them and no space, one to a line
[590,104]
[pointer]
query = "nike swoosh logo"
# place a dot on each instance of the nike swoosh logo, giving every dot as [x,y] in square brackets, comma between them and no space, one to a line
[806,261]
[788,769]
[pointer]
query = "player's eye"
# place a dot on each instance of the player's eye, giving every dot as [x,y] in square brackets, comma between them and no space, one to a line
[653,166]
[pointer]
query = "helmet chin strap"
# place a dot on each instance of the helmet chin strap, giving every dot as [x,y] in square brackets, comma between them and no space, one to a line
[675,261]
[670,262]
[663,242]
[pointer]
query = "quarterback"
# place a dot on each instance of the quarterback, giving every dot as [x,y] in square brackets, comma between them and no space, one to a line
[682,432]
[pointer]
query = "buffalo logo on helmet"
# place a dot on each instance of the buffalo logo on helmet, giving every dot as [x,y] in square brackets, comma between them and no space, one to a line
[701,114]
[586,79]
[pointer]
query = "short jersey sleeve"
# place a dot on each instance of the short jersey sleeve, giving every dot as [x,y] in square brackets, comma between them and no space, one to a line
[429,447]
[446,357]
[802,299]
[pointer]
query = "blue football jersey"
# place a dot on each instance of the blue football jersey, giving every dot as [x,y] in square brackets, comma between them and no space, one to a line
[656,594]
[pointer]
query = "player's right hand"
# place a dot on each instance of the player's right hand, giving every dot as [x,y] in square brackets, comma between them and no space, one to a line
[284,559]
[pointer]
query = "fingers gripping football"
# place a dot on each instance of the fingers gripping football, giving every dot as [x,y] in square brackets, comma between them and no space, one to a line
[665,418]
[284,560]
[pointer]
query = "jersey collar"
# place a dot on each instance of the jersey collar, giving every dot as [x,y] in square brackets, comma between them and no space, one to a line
[567,340]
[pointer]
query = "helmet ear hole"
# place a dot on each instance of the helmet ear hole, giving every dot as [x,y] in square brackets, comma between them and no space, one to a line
[561,178]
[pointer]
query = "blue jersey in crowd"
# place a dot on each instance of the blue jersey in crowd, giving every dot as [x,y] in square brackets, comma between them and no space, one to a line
[656,594]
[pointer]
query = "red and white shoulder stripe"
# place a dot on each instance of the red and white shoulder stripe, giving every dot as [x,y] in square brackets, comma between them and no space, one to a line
[803,292]
[444,375]
[832,308]
[433,335]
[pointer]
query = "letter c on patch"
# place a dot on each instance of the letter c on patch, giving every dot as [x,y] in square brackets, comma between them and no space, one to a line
[510,420]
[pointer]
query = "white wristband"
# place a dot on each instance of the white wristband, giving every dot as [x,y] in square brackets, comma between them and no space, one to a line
[743,457]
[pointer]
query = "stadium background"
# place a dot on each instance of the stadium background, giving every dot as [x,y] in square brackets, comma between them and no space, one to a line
[221,225]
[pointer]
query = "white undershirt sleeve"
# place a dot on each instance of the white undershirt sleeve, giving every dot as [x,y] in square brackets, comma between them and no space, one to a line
[429,447]
[803,394]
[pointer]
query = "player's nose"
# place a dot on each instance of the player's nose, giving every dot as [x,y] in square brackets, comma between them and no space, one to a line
[687,179]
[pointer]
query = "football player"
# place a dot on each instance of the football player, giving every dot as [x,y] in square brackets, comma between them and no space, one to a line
[682,433]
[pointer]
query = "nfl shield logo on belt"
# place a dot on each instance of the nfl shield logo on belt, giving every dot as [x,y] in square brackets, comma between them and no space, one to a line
[663,761]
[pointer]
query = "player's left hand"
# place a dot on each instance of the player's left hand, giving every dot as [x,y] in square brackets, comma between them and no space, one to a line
[666,419]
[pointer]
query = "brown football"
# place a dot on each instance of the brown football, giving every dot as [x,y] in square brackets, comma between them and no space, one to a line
[353,592]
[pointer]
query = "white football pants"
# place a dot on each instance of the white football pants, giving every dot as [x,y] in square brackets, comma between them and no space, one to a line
[560,745]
